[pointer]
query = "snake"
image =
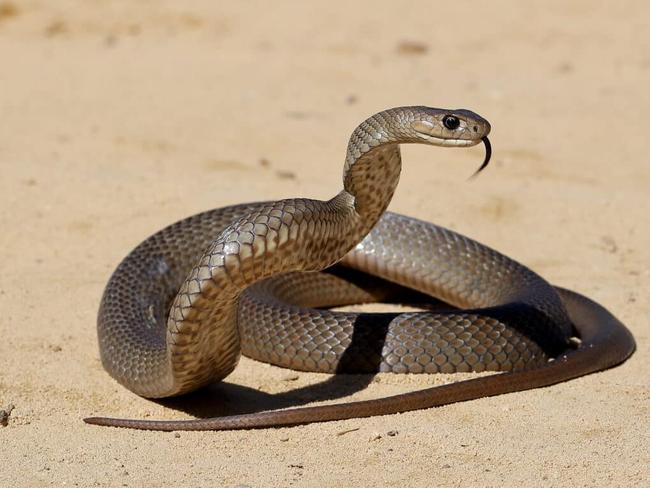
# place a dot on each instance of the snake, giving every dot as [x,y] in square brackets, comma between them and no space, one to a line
[262,279]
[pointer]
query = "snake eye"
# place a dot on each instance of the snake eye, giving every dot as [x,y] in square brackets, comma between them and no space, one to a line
[450,122]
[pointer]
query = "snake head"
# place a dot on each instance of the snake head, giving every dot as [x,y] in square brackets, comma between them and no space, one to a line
[443,127]
[455,128]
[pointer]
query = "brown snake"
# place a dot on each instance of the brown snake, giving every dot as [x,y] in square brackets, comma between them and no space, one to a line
[182,305]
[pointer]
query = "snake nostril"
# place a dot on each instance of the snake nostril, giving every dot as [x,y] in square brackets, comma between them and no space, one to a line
[476,128]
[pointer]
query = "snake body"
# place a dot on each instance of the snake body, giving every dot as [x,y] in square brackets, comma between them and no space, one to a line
[183,305]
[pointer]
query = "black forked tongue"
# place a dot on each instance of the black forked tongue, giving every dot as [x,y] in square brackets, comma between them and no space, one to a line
[488,155]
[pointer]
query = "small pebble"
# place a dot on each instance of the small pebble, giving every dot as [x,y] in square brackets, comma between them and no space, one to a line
[575,341]
[412,47]
[290,377]
[392,433]
[4,415]
[177,435]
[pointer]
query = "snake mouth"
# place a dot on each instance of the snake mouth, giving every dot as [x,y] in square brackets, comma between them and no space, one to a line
[445,142]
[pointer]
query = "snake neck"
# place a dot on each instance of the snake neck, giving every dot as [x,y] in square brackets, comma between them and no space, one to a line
[370,183]
[372,166]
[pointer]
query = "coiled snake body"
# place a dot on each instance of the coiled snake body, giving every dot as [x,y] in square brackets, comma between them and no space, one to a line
[181,306]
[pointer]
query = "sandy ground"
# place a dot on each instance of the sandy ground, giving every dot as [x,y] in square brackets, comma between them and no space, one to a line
[118,118]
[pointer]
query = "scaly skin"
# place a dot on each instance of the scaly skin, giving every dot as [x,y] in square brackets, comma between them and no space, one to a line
[217,268]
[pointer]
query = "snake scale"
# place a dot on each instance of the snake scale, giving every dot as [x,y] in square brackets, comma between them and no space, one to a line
[184,304]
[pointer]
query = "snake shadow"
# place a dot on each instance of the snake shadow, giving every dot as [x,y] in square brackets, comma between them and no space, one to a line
[368,338]
[225,398]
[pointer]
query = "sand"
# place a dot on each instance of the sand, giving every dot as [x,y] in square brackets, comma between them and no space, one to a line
[117,118]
